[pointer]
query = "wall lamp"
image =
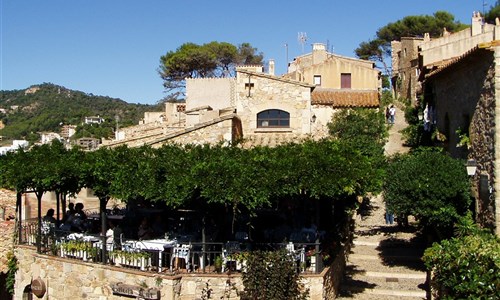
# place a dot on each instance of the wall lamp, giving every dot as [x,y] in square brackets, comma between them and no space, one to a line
[471,167]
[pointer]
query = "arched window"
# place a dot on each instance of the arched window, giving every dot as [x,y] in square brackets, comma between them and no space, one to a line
[273,118]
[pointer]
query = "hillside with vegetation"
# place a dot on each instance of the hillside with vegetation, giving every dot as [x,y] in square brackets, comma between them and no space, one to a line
[45,107]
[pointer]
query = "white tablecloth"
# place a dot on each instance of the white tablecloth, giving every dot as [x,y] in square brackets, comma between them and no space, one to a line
[82,237]
[156,244]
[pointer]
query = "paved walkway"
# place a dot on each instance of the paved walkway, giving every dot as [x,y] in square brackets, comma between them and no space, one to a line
[384,262]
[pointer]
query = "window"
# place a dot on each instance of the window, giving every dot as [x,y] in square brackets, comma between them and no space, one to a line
[345,80]
[273,118]
[317,80]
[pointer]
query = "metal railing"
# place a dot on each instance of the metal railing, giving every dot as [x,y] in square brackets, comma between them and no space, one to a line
[202,257]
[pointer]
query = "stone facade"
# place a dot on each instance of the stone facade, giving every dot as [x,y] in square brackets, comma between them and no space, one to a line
[268,92]
[7,225]
[406,70]
[470,107]
[70,279]
[328,69]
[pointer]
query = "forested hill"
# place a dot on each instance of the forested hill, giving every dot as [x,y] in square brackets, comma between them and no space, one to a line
[46,106]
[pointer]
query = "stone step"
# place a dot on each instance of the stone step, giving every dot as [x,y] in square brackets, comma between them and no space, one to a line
[387,281]
[389,252]
[362,293]
[387,242]
[360,296]
[388,265]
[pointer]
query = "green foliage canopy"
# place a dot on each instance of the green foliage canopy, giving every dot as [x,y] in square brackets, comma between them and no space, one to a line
[379,48]
[363,130]
[429,185]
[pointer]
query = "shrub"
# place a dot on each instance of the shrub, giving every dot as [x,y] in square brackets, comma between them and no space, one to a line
[272,275]
[466,267]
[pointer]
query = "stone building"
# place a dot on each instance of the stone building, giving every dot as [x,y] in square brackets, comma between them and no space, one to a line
[405,68]
[257,108]
[458,77]
[463,94]
[414,56]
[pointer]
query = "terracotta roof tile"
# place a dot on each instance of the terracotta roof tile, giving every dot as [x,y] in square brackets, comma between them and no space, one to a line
[345,98]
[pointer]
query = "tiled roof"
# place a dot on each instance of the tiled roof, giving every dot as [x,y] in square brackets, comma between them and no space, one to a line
[345,98]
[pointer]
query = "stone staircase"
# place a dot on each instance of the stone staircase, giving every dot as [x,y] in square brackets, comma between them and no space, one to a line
[385,260]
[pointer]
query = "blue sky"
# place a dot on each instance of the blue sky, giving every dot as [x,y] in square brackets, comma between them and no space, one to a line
[112,47]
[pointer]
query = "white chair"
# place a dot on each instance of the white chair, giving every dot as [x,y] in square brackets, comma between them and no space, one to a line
[181,252]
[230,248]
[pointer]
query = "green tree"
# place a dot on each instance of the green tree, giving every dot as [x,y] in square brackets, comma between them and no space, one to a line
[429,185]
[493,13]
[379,48]
[65,175]
[214,59]
[365,131]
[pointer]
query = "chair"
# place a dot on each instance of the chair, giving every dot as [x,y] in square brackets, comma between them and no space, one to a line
[181,252]
[231,247]
[298,255]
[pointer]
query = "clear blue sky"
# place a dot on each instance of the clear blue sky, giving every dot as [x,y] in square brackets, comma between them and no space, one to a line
[112,47]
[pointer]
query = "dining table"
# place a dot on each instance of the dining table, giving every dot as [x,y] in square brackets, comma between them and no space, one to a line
[162,245]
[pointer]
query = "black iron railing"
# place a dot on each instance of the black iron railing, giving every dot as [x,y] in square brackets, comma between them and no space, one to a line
[199,257]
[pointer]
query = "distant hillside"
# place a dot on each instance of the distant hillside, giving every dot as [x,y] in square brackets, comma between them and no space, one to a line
[45,107]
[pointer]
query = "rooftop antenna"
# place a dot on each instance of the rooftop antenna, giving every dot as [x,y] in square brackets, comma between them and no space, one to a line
[484,5]
[302,38]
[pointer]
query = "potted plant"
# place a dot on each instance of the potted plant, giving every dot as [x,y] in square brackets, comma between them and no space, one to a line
[218,264]
[77,249]
[131,259]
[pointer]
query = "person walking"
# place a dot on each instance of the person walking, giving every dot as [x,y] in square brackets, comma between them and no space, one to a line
[392,114]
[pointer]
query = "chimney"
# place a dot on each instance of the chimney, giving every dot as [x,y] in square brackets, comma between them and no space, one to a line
[477,23]
[271,67]
[319,53]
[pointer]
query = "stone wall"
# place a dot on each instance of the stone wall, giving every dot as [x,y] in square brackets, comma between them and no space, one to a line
[70,279]
[206,133]
[469,105]
[456,44]
[7,225]
[218,93]
[269,92]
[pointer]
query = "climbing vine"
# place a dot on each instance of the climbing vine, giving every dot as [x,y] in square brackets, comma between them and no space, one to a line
[12,265]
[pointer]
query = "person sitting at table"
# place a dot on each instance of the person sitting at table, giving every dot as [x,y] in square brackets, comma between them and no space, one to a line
[145,232]
[79,211]
[49,216]
[48,222]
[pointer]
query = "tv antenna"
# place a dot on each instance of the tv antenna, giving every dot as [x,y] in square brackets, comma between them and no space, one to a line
[302,38]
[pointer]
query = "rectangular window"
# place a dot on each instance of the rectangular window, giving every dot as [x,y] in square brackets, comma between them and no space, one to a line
[345,80]
[317,80]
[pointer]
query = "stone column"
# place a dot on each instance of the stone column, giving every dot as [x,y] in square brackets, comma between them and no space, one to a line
[497,142]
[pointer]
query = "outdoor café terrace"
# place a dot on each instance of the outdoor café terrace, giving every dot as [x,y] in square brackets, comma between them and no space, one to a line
[177,241]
